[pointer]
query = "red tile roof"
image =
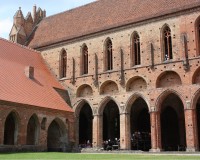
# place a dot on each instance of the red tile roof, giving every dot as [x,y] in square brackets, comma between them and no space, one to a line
[16,87]
[102,15]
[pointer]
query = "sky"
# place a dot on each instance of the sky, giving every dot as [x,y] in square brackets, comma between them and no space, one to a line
[9,7]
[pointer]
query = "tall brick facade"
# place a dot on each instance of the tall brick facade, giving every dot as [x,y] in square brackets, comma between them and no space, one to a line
[144,83]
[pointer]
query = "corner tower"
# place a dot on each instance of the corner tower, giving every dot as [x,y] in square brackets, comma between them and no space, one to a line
[23,27]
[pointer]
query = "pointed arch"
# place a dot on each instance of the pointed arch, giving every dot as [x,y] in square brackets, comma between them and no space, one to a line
[63,63]
[197,35]
[135,49]
[110,111]
[164,94]
[139,124]
[195,98]
[79,106]
[132,99]
[11,128]
[108,54]
[84,59]
[32,135]
[57,136]
[166,40]
[103,103]
[171,105]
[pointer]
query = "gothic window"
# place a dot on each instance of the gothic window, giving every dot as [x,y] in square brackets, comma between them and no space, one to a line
[136,58]
[85,59]
[167,43]
[197,26]
[108,55]
[63,64]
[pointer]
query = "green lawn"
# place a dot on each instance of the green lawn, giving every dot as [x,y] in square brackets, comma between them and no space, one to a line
[79,156]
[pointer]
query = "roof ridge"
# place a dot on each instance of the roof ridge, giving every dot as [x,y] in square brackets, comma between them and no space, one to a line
[72,9]
[19,45]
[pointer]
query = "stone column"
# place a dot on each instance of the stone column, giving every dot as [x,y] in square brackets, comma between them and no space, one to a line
[125,137]
[97,128]
[191,128]
[97,131]
[155,131]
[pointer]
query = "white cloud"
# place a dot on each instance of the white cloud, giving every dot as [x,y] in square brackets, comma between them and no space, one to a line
[5,27]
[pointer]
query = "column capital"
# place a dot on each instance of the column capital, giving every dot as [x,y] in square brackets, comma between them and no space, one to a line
[153,109]
[97,115]
[188,105]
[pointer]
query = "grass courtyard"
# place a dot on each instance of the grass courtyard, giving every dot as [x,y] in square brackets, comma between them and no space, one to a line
[79,156]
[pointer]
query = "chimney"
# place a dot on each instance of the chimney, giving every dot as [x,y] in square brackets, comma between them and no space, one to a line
[44,13]
[29,72]
[34,13]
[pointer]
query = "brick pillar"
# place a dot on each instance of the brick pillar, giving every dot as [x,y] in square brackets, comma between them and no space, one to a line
[191,129]
[125,137]
[22,132]
[100,131]
[1,131]
[76,134]
[43,139]
[155,131]
[97,132]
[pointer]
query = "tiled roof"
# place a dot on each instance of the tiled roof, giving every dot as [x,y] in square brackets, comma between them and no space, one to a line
[102,15]
[16,87]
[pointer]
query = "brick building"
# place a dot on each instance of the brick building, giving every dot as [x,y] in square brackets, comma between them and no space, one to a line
[130,68]
[33,114]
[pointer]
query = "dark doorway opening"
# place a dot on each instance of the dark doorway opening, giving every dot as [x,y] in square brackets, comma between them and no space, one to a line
[10,130]
[32,131]
[85,126]
[140,126]
[54,137]
[198,120]
[173,124]
[111,122]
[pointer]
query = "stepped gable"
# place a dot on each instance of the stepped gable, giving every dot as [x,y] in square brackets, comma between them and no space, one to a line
[16,87]
[102,15]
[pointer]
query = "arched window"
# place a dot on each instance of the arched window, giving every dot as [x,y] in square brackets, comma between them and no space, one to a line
[85,59]
[136,58]
[63,64]
[197,26]
[108,54]
[167,43]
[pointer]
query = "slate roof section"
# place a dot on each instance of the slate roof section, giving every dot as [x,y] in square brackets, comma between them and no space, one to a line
[16,87]
[102,15]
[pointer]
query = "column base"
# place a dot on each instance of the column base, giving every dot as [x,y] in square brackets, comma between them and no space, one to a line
[191,149]
[155,150]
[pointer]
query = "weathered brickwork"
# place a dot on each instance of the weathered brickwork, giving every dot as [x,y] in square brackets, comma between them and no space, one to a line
[44,118]
[137,81]
[154,82]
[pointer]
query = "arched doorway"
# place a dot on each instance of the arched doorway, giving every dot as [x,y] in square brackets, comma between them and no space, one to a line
[56,137]
[111,122]
[11,129]
[85,126]
[173,134]
[32,131]
[198,119]
[140,126]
